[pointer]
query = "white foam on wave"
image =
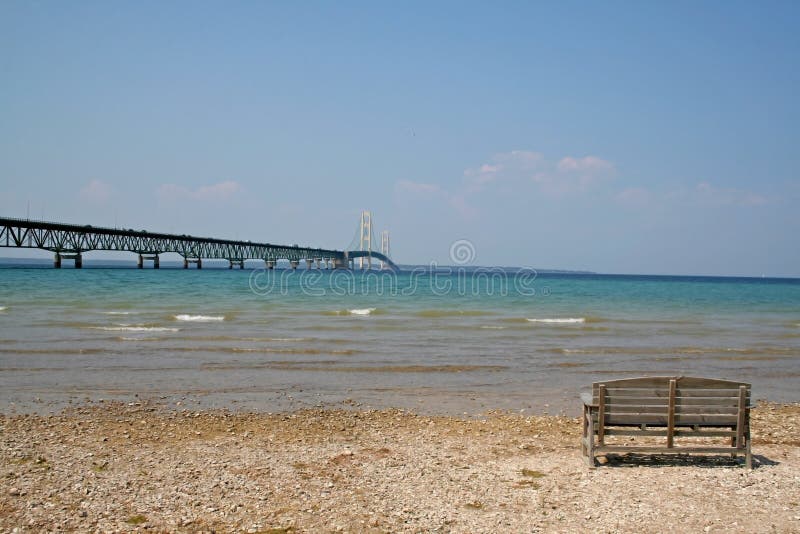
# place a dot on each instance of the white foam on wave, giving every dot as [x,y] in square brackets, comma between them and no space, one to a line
[126,328]
[3,308]
[118,313]
[486,327]
[199,318]
[361,311]
[559,320]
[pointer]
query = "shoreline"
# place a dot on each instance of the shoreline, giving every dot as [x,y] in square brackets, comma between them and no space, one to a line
[420,401]
[148,466]
[472,403]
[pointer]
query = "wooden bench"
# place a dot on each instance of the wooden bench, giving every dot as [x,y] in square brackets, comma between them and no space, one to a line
[671,407]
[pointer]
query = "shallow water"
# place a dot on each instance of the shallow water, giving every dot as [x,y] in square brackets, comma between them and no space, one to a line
[445,343]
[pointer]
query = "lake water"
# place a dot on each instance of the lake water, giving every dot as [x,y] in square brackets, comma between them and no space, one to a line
[457,342]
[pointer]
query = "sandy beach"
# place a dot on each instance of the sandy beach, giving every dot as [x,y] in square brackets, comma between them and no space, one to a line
[148,466]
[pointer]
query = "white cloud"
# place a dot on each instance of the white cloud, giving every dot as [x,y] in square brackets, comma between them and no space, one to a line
[96,191]
[218,191]
[588,164]
[566,176]
[483,169]
[504,167]
[574,175]
[477,179]
[512,173]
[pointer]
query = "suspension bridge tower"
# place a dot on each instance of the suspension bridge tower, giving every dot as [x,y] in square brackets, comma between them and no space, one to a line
[385,249]
[364,248]
[365,240]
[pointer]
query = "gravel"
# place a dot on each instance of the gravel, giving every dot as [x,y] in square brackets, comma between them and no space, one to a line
[150,467]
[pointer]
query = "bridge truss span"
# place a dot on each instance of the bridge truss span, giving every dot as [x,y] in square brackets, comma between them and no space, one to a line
[70,241]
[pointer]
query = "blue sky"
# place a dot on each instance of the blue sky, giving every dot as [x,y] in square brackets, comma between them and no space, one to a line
[628,137]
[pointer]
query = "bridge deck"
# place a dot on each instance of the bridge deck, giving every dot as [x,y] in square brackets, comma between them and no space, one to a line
[75,239]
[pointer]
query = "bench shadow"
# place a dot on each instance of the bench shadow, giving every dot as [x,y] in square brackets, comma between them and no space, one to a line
[682,460]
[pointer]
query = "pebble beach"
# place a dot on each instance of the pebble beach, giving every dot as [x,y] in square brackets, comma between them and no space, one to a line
[148,466]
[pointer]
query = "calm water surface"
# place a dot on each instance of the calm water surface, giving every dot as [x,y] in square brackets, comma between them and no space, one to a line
[443,343]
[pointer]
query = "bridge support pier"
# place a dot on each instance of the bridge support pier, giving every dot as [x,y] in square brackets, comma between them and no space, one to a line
[142,258]
[58,259]
[270,264]
[187,261]
[232,262]
[309,263]
[294,264]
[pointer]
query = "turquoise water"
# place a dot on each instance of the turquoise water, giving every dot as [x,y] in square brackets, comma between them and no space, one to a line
[443,343]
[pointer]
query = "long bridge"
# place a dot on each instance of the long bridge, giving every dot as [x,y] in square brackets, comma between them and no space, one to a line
[71,241]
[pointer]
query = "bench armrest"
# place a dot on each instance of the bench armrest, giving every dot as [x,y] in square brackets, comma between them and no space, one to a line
[587,399]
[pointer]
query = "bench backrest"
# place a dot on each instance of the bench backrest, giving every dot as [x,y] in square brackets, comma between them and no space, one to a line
[672,401]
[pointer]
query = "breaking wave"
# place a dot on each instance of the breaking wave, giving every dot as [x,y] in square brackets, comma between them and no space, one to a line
[559,320]
[361,311]
[199,318]
[354,311]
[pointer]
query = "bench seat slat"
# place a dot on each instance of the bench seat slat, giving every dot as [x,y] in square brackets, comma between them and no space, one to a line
[662,419]
[664,392]
[679,432]
[679,401]
[679,410]
[663,424]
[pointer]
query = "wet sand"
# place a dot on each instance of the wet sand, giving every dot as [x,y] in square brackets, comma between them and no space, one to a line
[161,467]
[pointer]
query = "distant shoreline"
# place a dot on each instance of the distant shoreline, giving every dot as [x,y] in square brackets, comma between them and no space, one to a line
[11,262]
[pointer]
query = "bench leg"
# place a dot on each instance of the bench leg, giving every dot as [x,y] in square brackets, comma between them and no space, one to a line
[588,443]
[748,455]
[584,448]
